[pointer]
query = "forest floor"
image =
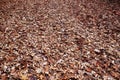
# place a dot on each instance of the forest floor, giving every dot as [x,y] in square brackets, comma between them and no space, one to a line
[59,39]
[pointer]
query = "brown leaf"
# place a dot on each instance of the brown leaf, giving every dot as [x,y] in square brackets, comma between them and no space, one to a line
[10,58]
[2,28]
[79,42]
[3,77]
[88,69]
[98,63]
[115,74]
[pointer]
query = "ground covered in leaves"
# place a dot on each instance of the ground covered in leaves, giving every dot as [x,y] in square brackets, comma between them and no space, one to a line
[59,39]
